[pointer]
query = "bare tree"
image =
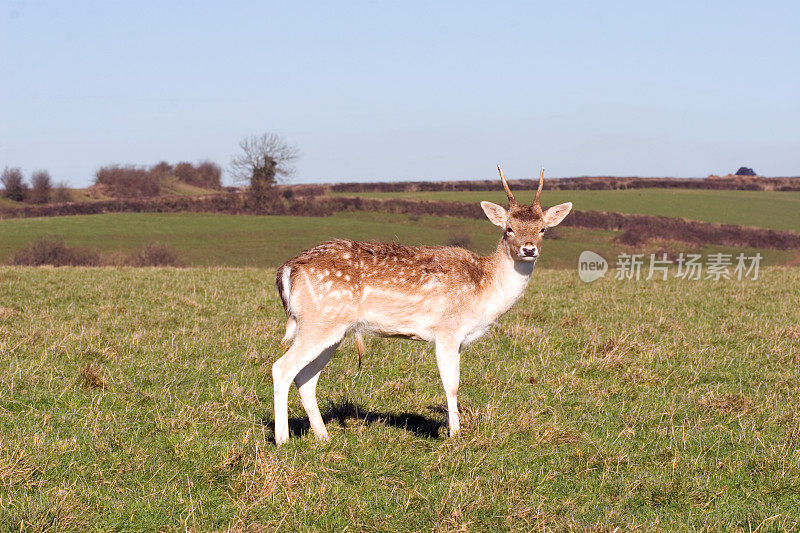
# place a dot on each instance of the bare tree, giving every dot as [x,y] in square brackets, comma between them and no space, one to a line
[61,192]
[264,161]
[14,186]
[42,187]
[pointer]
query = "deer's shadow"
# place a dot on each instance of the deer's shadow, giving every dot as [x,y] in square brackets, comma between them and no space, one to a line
[343,410]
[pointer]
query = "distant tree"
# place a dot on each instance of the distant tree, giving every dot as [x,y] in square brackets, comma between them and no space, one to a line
[745,171]
[209,175]
[61,192]
[185,172]
[41,187]
[128,181]
[264,161]
[14,186]
[163,168]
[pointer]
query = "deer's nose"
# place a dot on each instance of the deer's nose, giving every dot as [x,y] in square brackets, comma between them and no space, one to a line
[529,250]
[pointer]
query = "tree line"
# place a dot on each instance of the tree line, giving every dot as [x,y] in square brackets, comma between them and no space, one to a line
[264,161]
[40,191]
[130,181]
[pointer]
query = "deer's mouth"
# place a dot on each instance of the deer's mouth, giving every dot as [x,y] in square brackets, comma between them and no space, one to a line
[528,253]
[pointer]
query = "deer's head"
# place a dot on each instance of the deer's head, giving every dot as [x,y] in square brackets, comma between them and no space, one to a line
[524,225]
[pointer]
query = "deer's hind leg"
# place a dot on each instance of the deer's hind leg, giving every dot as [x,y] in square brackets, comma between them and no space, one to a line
[302,362]
[306,381]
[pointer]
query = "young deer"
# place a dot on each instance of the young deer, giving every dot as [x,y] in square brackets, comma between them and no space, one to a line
[440,294]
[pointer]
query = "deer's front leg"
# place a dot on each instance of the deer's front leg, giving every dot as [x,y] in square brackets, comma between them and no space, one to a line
[448,359]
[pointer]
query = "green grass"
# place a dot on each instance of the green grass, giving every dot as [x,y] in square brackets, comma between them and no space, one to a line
[6,202]
[173,186]
[767,209]
[239,240]
[140,399]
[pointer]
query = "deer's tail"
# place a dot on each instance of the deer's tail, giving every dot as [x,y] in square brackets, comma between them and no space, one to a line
[283,279]
[359,348]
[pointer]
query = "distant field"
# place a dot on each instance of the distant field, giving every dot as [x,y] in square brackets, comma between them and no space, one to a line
[766,209]
[141,400]
[266,241]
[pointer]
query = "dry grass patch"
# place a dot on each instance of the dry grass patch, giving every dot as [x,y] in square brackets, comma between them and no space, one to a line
[92,377]
[263,473]
[552,434]
[641,375]
[790,332]
[572,320]
[609,354]
[16,469]
[725,403]
[56,510]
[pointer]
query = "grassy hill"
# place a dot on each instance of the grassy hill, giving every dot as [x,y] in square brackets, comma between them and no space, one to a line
[266,241]
[766,209]
[141,399]
[5,202]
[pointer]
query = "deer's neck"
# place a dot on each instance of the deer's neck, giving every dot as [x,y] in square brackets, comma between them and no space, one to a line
[509,279]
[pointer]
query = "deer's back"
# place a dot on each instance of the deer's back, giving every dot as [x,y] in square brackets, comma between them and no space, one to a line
[383,283]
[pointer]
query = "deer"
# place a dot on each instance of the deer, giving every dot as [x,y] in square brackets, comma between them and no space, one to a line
[444,295]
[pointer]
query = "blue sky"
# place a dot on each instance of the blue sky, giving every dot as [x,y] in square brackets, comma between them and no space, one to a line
[404,90]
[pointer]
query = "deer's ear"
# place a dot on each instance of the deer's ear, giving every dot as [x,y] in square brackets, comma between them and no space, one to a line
[496,213]
[556,214]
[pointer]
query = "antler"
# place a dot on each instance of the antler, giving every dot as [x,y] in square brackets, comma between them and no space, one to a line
[511,200]
[539,190]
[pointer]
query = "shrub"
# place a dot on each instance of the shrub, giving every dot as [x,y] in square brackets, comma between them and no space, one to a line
[185,172]
[163,168]
[128,181]
[155,255]
[42,187]
[61,193]
[635,236]
[14,186]
[53,251]
[209,175]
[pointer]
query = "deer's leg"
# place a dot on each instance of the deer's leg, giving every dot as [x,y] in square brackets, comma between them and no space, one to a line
[448,359]
[306,381]
[284,370]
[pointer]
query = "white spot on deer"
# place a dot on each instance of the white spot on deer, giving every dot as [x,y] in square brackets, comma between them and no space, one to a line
[429,286]
[346,277]
[338,273]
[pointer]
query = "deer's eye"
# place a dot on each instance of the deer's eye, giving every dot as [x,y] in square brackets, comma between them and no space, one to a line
[509,231]
[543,230]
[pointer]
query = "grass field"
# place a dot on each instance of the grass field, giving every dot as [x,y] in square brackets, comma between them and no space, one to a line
[5,202]
[239,240]
[140,399]
[766,209]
